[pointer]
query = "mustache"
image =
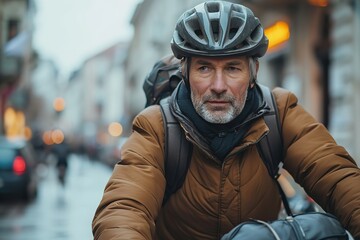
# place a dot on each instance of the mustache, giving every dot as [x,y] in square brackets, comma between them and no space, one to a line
[223,97]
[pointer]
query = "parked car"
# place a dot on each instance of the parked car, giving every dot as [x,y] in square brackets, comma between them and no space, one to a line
[18,176]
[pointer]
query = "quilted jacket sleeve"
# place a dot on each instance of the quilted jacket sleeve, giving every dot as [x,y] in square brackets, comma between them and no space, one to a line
[134,193]
[325,170]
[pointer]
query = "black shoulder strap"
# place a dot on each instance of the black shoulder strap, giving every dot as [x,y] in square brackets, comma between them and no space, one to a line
[177,151]
[270,146]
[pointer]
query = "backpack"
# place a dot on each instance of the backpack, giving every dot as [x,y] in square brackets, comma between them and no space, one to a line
[162,80]
[158,86]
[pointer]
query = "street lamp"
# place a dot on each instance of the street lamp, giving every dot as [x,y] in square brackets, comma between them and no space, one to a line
[277,34]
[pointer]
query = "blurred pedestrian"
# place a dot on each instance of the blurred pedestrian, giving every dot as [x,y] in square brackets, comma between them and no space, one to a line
[61,152]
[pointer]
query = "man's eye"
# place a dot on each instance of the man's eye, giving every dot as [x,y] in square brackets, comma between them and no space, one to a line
[203,68]
[233,69]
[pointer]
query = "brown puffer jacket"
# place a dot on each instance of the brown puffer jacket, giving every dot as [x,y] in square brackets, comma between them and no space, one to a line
[216,196]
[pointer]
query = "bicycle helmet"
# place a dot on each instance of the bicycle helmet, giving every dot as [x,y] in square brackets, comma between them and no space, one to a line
[218,28]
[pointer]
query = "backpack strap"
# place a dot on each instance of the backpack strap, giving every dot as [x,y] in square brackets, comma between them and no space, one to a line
[271,146]
[177,151]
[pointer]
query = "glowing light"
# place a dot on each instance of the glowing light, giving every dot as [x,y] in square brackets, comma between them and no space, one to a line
[57,136]
[277,33]
[14,123]
[28,133]
[9,117]
[20,118]
[46,137]
[115,129]
[59,104]
[319,3]
[19,165]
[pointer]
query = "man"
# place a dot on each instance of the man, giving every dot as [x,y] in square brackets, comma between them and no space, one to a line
[220,109]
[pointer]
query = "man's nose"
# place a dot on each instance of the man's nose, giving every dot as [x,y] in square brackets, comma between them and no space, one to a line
[219,82]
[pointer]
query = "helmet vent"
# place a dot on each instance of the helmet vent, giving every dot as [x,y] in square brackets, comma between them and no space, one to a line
[256,35]
[194,24]
[199,34]
[235,25]
[215,30]
[212,7]
[245,44]
[232,33]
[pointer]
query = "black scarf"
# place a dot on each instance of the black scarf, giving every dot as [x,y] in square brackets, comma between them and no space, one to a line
[222,138]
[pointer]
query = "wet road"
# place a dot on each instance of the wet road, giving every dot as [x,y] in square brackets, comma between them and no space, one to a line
[59,212]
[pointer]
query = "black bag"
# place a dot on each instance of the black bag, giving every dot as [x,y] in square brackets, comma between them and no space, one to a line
[307,226]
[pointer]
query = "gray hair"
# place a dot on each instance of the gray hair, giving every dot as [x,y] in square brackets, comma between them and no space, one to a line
[252,67]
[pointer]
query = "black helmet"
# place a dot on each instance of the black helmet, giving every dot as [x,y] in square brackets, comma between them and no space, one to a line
[218,28]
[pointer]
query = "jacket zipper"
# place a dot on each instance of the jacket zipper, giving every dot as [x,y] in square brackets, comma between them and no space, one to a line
[222,179]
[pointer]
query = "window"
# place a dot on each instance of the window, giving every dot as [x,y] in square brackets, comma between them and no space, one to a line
[13,28]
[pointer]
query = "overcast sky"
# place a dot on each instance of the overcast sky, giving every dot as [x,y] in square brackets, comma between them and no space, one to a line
[69,31]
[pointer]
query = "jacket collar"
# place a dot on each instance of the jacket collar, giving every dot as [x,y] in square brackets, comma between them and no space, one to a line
[257,130]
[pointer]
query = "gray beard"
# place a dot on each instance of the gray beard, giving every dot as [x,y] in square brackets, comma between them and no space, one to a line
[236,108]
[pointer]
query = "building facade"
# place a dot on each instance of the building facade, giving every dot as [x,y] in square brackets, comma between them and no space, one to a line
[94,98]
[150,42]
[16,58]
[344,74]
[319,61]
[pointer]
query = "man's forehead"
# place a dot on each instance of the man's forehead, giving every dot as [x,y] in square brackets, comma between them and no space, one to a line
[232,60]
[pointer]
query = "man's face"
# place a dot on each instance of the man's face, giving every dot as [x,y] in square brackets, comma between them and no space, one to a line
[219,87]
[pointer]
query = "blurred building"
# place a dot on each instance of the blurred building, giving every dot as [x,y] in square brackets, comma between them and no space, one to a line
[151,41]
[16,63]
[45,88]
[318,62]
[314,52]
[94,98]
